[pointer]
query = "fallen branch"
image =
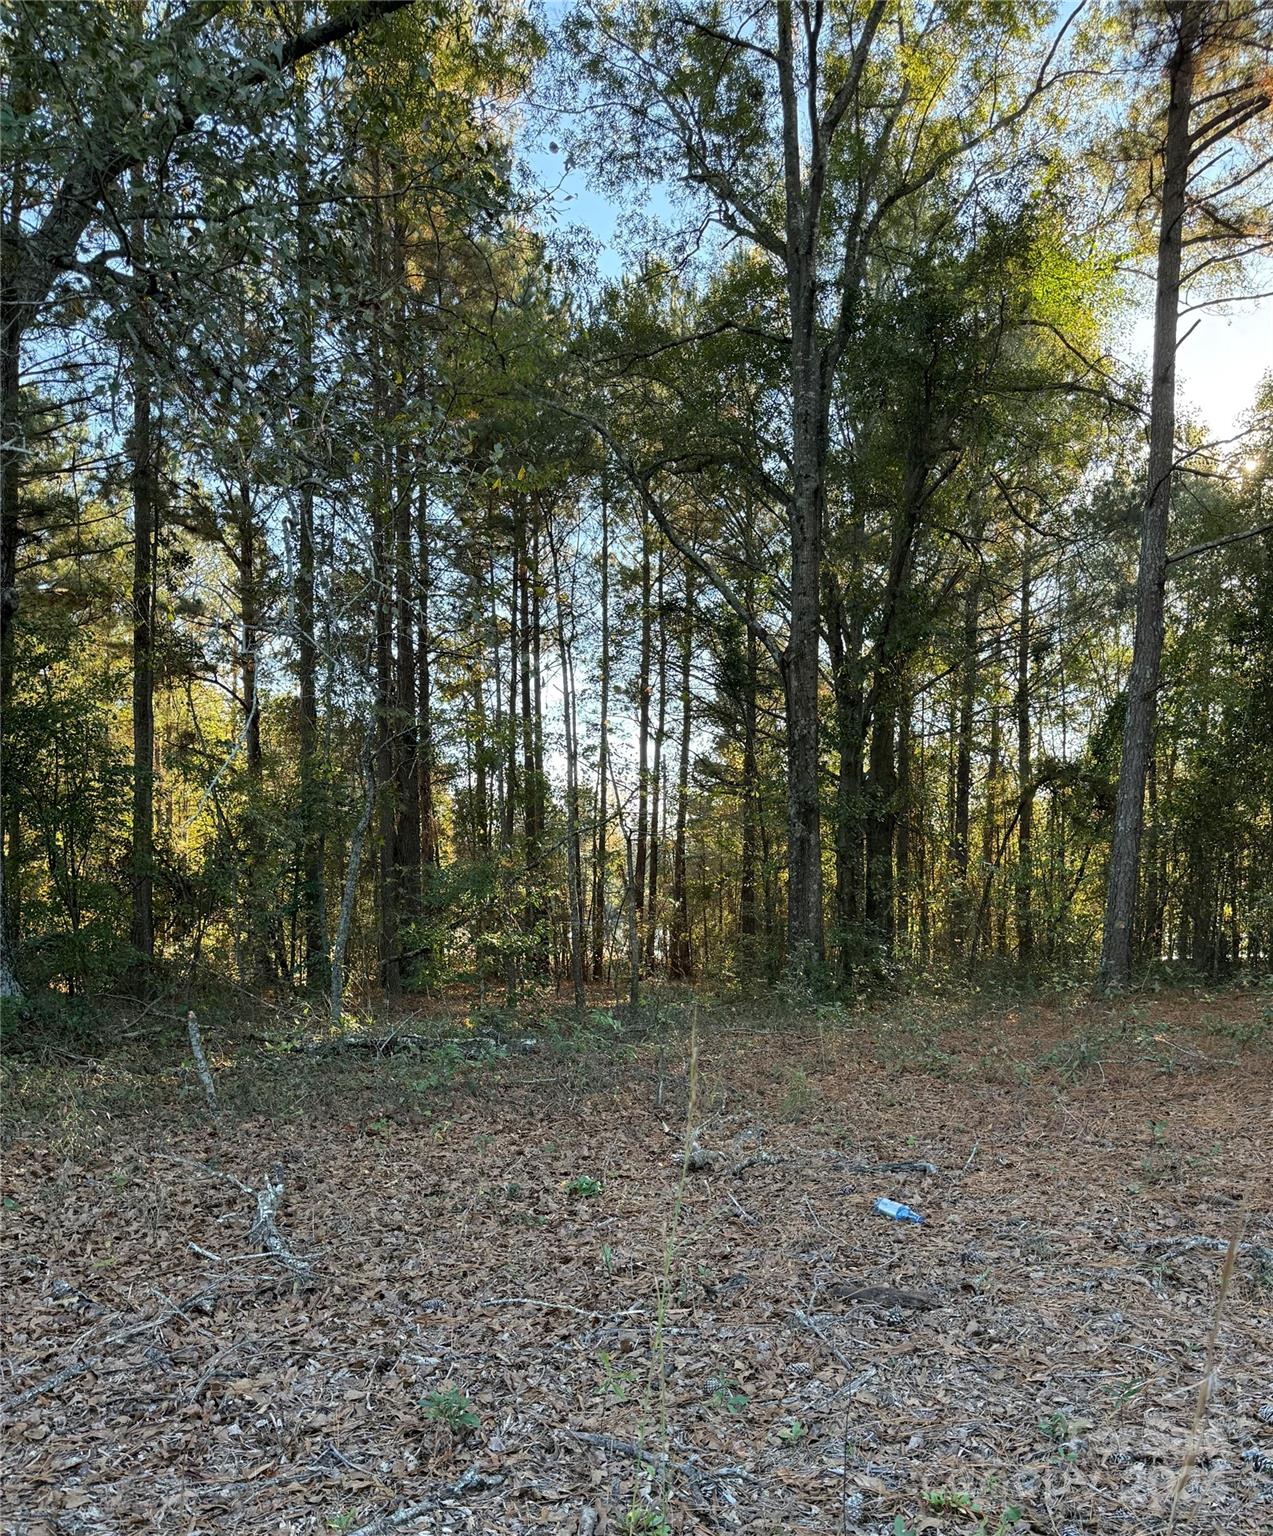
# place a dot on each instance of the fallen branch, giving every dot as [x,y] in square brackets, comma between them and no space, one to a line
[49,1384]
[264,1232]
[884,1296]
[861,1379]
[201,1062]
[695,1475]
[89,1363]
[905,1165]
[472,1479]
[1169,1248]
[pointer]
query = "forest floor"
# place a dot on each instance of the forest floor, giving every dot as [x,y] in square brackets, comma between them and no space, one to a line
[505,1320]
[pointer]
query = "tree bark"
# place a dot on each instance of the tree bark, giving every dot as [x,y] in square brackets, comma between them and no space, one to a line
[680,956]
[313,889]
[1147,644]
[652,896]
[603,767]
[145,537]
[1025,783]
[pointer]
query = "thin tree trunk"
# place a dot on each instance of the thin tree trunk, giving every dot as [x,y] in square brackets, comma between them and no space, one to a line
[881,823]
[1142,682]
[574,877]
[643,727]
[407,835]
[652,900]
[145,538]
[341,942]
[1025,790]
[603,766]
[680,956]
[961,895]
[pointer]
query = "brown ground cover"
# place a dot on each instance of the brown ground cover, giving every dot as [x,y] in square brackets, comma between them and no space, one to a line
[512,1324]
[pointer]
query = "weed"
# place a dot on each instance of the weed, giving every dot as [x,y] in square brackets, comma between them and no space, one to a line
[949,1500]
[727,1394]
[641,1520]
[793,1432]
[583,1187]
[797,1099]
[1256,1031]
[341,1520]
[1055,1426]
[607,1259]
[615,1380]
[452,1409]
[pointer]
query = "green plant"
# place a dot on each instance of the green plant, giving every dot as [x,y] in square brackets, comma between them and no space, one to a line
[793,1432]
[641,1520]
[1055,1426]
[969,1504]
[797,1099]
[615,1380]
[728,1395]
[341,1520]
[452,1409]
[583,1187]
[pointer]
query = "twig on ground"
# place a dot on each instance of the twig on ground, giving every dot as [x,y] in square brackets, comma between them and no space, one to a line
[744,1214]
[806,1321]
[695,1475]
[49,1384]
[1167,1248]
[472,1479]
[885,1296]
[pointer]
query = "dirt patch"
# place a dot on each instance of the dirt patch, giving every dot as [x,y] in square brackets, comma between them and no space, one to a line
[514,1326]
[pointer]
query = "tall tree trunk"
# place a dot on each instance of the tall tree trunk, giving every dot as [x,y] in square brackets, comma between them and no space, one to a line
[903,816]
[313,890]
[603,765]
[652,898]
[881,821]
[643,728]
[1147,644]
[389,937]
[1025,788]
[12,452]
[145,539]
[990,819]
[574,875]
[249,618]
[680,956]
[846,677]
[407,835]
[808,380]
[748,923]
[429,850]
[961,895]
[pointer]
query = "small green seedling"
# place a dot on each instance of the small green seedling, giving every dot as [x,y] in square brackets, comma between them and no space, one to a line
[729,1395]
[583,1187]
[793,1432]
[452,1409]
[643,1521]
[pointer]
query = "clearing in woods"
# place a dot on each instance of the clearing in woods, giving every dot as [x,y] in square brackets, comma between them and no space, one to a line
[497,1318]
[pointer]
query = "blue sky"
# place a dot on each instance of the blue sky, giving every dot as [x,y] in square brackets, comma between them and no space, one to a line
[1220,364]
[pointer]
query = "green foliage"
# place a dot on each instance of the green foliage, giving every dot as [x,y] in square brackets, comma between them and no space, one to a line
[583,1187]
[450,1408]
[727,1394]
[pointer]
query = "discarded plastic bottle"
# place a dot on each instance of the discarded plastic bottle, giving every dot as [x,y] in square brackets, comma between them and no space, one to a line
[897,1210]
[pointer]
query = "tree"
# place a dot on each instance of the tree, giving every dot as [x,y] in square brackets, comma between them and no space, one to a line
[1212,57]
